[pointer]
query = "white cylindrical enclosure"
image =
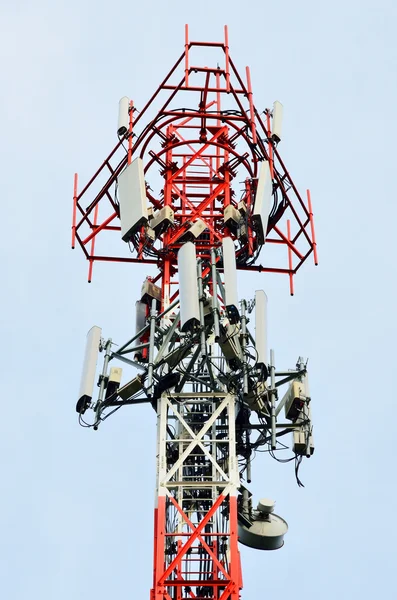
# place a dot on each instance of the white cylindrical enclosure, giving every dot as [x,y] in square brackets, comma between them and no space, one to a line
[124,117]
[230,277]
[277,120]
[188,287]
[266,506]
[261,327]
[89,365]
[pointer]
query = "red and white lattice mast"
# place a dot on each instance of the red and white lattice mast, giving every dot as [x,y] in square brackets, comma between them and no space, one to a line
[197,187]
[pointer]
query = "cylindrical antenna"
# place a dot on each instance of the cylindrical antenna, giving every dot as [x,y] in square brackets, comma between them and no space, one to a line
[201,307]
[277,121]
[123,120]
[188,287]
[230,276]
[153,314]
[215,309]
[244,345]
[273,393]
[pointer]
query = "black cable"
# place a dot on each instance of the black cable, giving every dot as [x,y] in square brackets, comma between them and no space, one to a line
[298,461]
[111,412]
[83,423]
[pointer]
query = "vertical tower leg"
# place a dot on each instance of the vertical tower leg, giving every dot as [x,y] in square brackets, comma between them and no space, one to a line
[196,554]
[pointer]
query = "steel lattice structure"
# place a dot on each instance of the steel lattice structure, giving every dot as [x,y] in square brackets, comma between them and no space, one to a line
[196,516]
[203,143]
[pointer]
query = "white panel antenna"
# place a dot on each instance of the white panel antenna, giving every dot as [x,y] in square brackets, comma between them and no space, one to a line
[263,198]
[124,117]
[89,367]
[261,327]
[277,121]
[132,199]
[140,322]
[230,276]
[188,286]
[140,315]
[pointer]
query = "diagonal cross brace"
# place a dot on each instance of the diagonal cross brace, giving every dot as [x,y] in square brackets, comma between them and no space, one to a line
[198,443]
[196,533]
[196,438]
[203,542]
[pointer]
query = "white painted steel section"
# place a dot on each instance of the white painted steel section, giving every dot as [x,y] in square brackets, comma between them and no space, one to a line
[230,273]
[188,286]
[161,454]
[124,118]
[261,327]
[234,475]
[277,120]
[195,437]
[90,362]
[263,198]
[132,198]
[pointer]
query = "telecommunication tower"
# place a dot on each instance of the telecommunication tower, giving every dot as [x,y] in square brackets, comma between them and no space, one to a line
[196,186]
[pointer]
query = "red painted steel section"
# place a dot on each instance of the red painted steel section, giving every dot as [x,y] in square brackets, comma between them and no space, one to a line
[309,201]
[186,55]
[227,73]
[91,262]
[202,154]
[269,146]
[251,103]
[74,210]
[182,573]
[99,228]
[291,273]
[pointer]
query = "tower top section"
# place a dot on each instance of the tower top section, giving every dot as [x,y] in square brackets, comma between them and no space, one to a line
[199,162]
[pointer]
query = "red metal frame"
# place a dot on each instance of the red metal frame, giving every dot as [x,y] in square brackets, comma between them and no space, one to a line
[202,154]
[225,581]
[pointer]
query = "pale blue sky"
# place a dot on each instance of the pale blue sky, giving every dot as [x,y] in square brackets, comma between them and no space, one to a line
[76,506]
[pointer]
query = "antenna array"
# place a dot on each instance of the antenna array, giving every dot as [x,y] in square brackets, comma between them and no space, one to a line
[171,190]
